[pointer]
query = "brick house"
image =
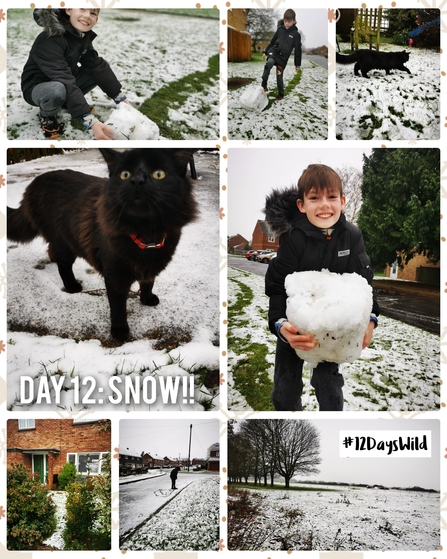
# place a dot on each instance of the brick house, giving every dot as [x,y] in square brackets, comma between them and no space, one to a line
[46,445]
[236,242]
[152,460]
[262,238]
[214,458]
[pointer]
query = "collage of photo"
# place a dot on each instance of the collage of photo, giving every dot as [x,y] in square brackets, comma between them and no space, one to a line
[222,332]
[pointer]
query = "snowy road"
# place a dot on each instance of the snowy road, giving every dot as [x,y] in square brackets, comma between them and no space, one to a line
[139,500]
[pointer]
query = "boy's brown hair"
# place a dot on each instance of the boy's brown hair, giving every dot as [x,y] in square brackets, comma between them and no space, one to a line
[289,15]
[318,176]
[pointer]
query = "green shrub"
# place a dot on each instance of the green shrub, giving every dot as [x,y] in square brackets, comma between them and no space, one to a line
[67,475]
[31,514]
[80,516]
[102,493]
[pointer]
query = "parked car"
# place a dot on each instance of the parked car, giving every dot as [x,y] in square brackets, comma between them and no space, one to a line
[249,254]
[265,258]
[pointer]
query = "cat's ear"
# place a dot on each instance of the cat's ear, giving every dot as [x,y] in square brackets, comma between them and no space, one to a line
[182,157]
[110,156]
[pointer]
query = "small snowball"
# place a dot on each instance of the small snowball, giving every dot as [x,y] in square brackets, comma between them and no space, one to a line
[254,98]
[335,308]
[128,123]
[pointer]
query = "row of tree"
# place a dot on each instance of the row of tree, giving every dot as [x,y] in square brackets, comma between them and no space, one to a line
[261,449]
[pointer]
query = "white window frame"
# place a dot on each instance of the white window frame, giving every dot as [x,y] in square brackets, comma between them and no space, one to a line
[77,462]
[25,424]
[271,238]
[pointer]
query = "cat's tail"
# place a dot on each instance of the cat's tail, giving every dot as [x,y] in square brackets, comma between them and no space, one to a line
[19,228]
[346,58]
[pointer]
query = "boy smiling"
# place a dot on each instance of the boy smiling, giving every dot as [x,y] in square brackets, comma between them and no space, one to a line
[314,235]
[63,66]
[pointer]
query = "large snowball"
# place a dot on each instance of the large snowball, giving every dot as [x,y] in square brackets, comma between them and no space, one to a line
[254,98]
[335,308]
[128,123]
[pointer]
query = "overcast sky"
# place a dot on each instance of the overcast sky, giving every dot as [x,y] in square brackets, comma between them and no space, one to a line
[254,172]
[313,26]
[169,437]
[389,471]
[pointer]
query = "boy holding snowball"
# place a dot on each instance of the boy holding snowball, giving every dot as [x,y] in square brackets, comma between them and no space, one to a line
[63,66]
[314,235]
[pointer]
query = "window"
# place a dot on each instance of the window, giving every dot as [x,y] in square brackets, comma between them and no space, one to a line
[88,463]
[27,424]
[271,238]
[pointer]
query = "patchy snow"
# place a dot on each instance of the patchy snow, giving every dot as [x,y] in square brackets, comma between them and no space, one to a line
[56,540]
[348,518]
[398,371]
[147,50]
[399,106]
[301,115]
[190,521]
[59,334]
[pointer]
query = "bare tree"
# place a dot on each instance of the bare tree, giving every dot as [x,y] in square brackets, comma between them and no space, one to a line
[261,24]
[351,179]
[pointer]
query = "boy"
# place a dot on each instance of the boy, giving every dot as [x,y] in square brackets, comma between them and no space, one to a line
[314,234]
[279,49]
[63,66]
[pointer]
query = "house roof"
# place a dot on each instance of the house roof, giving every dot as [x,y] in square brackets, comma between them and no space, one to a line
[128,452]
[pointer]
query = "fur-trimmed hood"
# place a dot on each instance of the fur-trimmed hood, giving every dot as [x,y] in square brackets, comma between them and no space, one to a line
[53,21]
[281,211]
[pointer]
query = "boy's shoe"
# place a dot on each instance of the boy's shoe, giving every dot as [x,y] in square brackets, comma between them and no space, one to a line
[279,70]
[266,90]
[279,98]
[51,127]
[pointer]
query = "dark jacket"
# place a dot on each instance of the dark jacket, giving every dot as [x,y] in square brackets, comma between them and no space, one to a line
[55,55]
[303,247]
[174,473]
[285,40]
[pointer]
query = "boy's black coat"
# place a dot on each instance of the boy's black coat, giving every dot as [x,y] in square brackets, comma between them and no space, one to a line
[303,247]
[54,56]
[286,40]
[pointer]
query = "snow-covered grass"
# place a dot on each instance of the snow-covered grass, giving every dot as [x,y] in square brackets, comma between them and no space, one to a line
[58,334]
[399,106]
[398,371]
[334,518]
[301,115]
[188,522]
[153,54]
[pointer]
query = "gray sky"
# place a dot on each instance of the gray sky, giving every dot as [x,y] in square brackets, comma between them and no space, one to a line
[313,24]
[388,471]
[169,437]
[254,172]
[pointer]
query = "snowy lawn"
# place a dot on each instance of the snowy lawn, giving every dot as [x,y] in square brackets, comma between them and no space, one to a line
[167,64]
[53,334]
[399,106]
[331,518]
[399,371]
[190,521]
[301,115]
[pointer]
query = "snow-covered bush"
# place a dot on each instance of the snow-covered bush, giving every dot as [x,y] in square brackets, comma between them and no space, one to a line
[31,512]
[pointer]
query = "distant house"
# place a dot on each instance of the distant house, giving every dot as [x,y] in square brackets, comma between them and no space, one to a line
[46,445]
[239,40]
[262,238]
[214,458]
[129,461]
[152,460]
[236,242]
[419,269]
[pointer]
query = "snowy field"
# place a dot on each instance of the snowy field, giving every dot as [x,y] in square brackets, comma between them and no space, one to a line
[399,371]
[399,106]
[348,518]
[146,50]
[190,521]
[301,115]
[56,334]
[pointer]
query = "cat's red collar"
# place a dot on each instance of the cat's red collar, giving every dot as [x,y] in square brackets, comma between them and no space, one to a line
[141,244]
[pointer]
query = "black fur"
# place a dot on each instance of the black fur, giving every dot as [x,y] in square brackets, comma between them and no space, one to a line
[367,60]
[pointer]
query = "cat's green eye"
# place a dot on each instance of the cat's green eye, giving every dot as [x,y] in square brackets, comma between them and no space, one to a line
[124,175]
[158,174]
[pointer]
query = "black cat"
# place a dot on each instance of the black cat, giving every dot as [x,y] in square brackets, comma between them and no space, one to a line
[367,60]
[127,226]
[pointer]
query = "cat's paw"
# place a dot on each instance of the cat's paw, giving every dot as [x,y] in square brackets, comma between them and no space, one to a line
[73,287]
[120,333]
[152,300]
